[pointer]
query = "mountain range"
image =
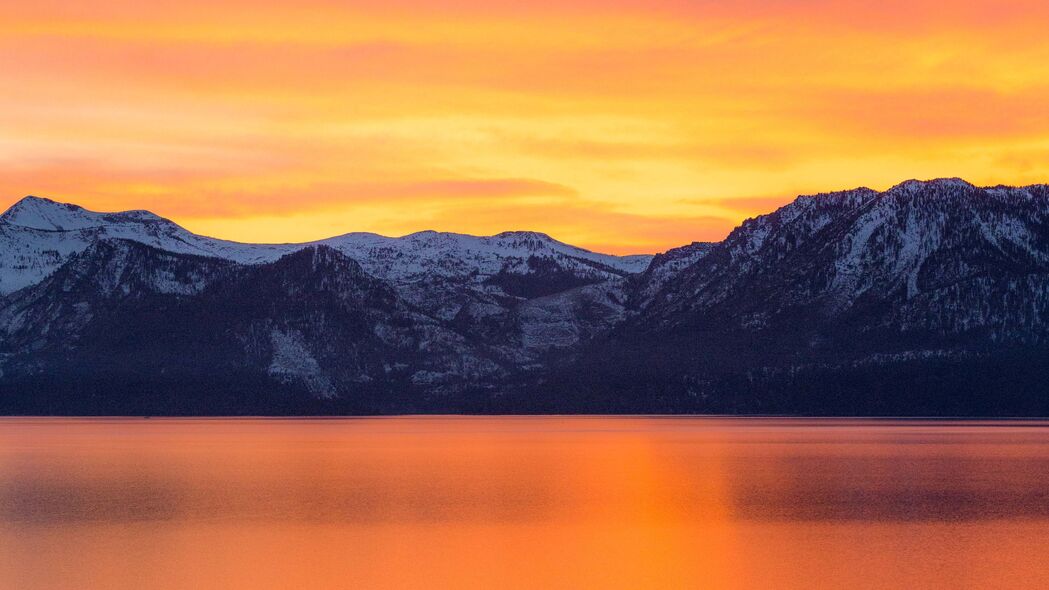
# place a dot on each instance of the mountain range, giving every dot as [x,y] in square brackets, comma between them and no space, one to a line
[930,298]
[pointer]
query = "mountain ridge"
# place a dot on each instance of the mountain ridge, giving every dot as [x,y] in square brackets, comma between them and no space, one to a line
[38,234]
[929,297]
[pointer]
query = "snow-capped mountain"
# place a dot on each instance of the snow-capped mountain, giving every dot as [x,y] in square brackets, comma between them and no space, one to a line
[313,319]
[426,310]
[928,298]
[38,235]
[934,256]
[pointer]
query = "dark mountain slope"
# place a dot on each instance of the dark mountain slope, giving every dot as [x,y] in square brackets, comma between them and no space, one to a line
[156,332]
[847,295]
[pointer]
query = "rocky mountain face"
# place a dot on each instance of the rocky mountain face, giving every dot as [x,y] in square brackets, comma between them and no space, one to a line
[664,270]
[934,257]
[851,302]
[929,298]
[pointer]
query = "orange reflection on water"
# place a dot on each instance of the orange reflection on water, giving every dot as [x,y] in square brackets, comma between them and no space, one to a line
[521,503]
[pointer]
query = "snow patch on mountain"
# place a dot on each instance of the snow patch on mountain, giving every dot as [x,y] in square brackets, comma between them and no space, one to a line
[293,362]
[568,318]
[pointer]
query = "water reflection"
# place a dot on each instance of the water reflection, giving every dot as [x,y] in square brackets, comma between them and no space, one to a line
[521,502]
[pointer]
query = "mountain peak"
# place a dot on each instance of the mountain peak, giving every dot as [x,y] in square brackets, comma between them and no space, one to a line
[317,255]
[48,215]
[525,234]
[42,213]
[35,200]
[913,185]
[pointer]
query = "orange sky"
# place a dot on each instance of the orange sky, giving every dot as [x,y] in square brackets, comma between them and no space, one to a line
[621,125]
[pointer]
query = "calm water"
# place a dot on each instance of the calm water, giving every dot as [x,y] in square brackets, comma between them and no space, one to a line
[522,502]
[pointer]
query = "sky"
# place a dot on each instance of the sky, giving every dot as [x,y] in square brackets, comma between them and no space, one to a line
[623,126]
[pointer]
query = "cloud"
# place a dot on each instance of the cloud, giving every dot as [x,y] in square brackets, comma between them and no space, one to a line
[734,154]
[928,115]
[333,195]
[179,192]
[596,120]
[744,205]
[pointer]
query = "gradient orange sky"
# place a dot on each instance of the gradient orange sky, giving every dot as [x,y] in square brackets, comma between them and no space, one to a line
[620,125]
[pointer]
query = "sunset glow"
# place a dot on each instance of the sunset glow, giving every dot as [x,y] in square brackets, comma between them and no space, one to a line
[620,125]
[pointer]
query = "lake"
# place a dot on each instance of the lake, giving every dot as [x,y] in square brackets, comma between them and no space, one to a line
[522,502]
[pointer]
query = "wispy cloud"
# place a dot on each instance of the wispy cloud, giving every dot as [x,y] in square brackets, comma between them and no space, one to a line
[627,124]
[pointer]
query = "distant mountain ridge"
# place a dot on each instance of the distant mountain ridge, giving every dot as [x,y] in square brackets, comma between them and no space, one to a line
[928,298]
[38,234]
